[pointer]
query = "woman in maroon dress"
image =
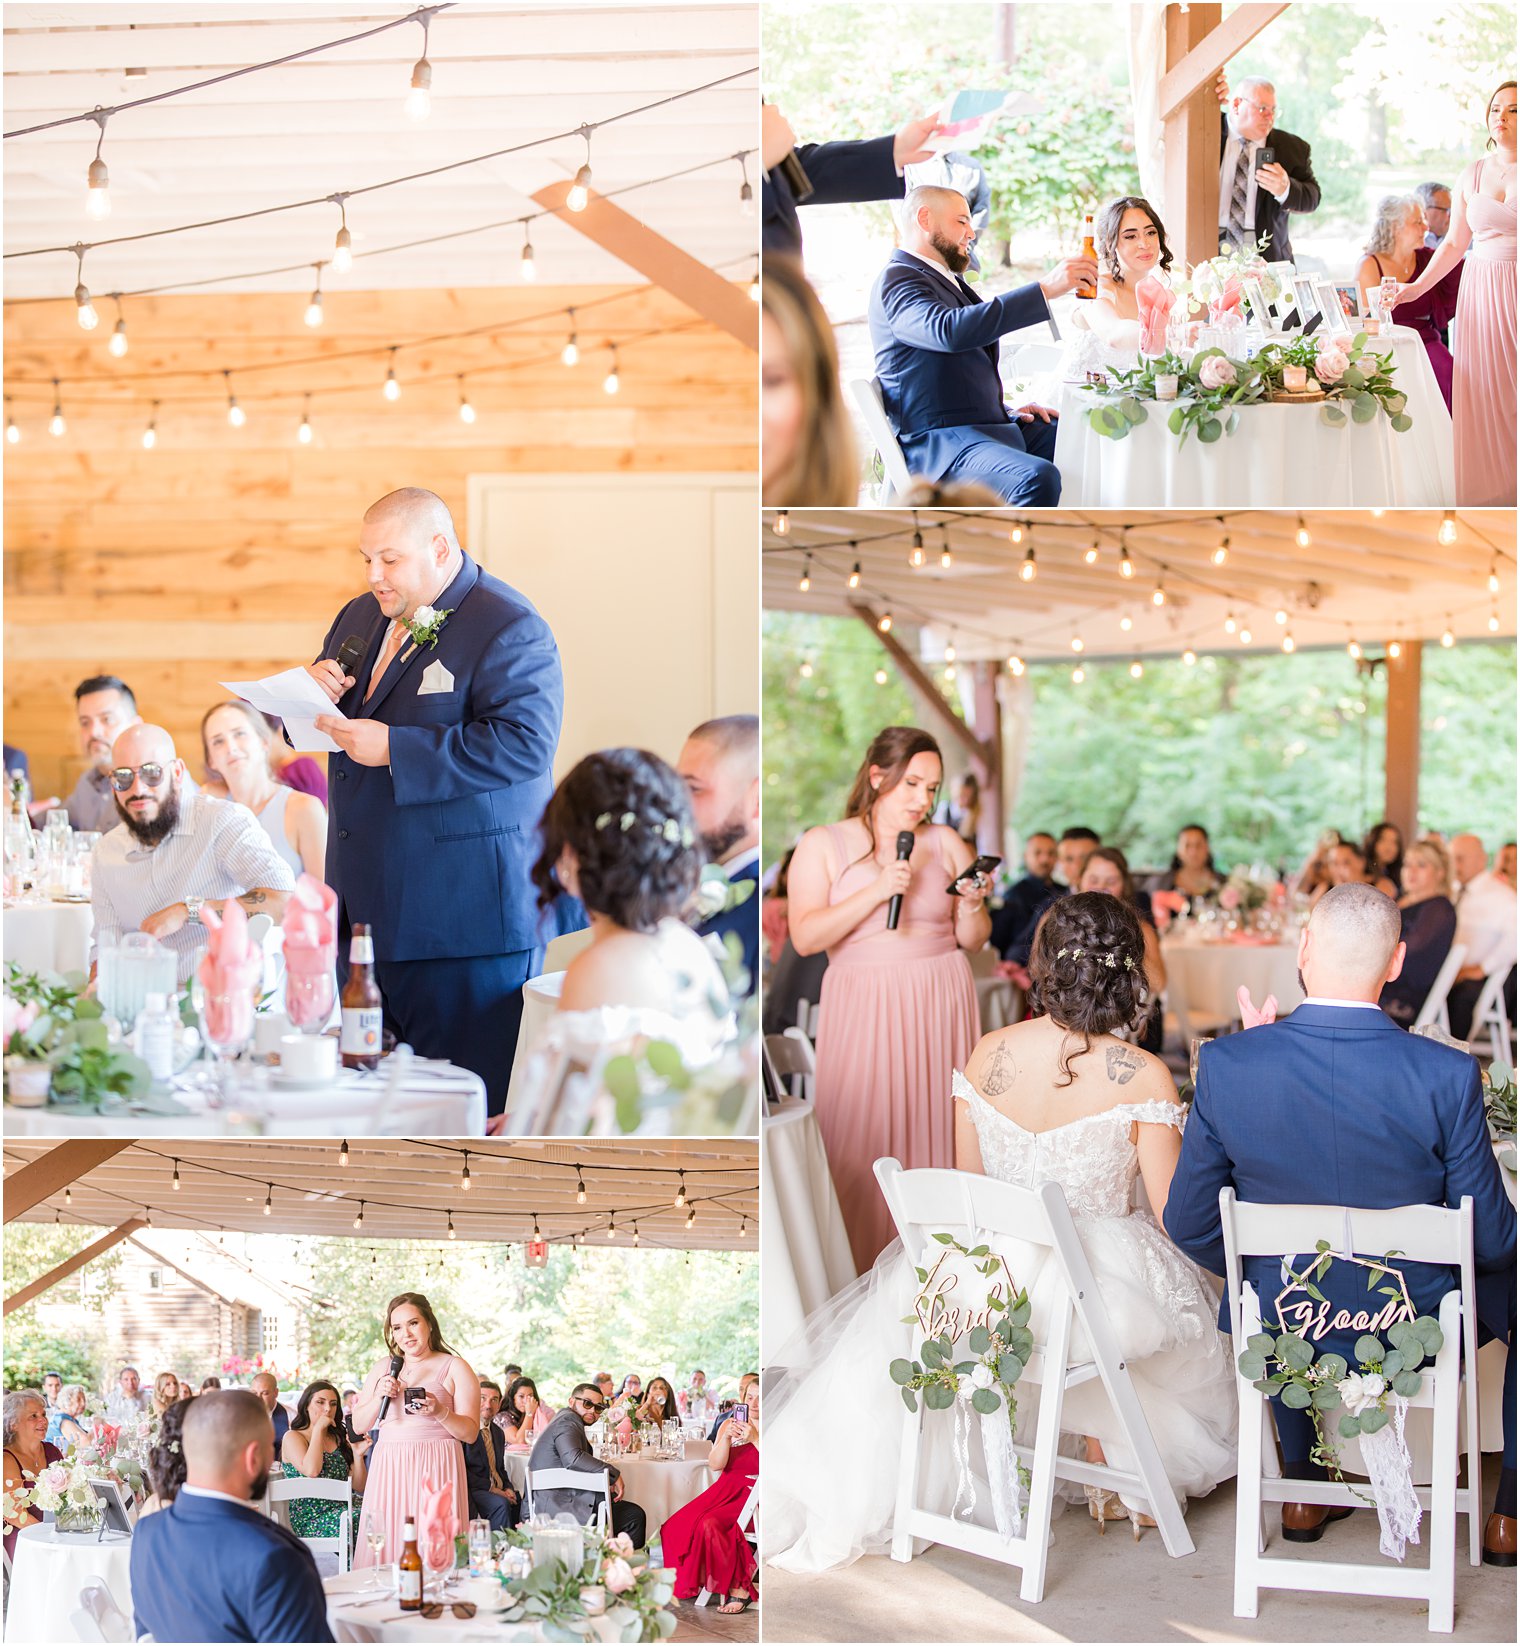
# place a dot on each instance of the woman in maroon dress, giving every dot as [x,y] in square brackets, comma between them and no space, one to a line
[27,1454]
[1397,247]
[703,1541]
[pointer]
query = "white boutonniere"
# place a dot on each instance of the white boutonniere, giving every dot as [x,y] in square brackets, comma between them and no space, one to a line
[424,625]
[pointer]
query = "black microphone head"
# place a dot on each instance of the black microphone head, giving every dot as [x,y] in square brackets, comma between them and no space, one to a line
[351,655]
[395,1365]
[905,845]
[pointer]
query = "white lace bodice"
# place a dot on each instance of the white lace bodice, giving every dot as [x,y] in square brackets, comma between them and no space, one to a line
[1092,1159]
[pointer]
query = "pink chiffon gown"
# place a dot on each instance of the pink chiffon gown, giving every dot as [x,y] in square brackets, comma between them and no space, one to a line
[897,1014]
[410,1449]
[1483,379]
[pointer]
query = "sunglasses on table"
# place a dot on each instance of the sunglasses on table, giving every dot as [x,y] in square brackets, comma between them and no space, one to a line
[460,1608]
[151,772]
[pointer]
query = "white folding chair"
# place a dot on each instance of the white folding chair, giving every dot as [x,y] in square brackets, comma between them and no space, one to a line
[1033,359]
[98,1617]
[747,1530]
[1434,1009]
[1420,1234]
[574,1480]
[807,1018]
[283,1490]
[790,1062]
[564,948]
[866,392]
[1491,1017]
[931,1200]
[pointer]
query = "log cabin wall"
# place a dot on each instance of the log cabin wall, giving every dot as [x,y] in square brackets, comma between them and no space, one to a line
[224,553]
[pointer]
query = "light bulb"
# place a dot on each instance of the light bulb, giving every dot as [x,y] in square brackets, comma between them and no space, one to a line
[1287,641]
[783,523]
[806,671]
[610,382]
[949,654]
[1493,622]
[97,202]
[1221,552]
[805,582]
[945,559]
[1136,669]
[1158,596]
[1493,580]
[236,416]
[881,677]
[1078,675]
[1446,535]
[1016,535]
[754,289]
[1190,657]
[314,310]
[1077,643]
[466,410]
[419,99]
[949,671]
[1027,570]
[525,264]
[1126,567]
[12,433]
[580,189]
[1279,617]
[1245,637]
[343,251]
[303,434]
[1448,639]
[916,555]
[571,353]
[855,575]
[392,389]
[57,425]
[1395,648]
[1352,649]
[1301,536]
[1229,623]
[150,437]
[1016,665]
[85,309]
[1090,558]
[884,625]
[118,344]
[1126,622]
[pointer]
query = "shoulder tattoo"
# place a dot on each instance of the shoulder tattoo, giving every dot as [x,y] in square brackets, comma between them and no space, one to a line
[999,1073]
[1124,1064]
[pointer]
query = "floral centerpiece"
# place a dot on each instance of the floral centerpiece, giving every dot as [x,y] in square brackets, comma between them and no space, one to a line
[50,1020]
[1499,1106]
[614,1580]
[63,1488]
[1244,892]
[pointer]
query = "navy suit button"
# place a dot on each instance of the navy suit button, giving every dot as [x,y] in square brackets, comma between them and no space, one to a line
[342,834]
[340,774]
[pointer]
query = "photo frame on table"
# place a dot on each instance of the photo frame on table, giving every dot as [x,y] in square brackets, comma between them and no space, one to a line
[1282,274]
[1351,300]
[1305,298]
[115,1510]
[1258,309]
[1332,307]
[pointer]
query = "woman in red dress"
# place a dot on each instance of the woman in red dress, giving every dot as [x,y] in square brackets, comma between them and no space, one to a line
[703,1541]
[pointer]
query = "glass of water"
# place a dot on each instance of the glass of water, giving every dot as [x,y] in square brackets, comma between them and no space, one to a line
[376,1540]
[480,1548]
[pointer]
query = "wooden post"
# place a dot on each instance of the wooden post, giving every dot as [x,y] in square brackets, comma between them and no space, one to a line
[989,727]
[60,1166]
[949,722]
[1401,775]
[43,1283]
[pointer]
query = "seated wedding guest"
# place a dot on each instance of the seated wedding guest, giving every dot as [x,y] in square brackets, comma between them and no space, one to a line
[603,1381]
[898,1004]
[1192,870]
[658,1404]
[1255,199]
[27,1453]
[1384,850]
[1073,849]
[128,1401]
[1314,877]
[1282,1115]
[1345,864]
[52,1390]
[524,1417]
[746,1383]
[695,1400]
[492,1494]
[773,911]
[210,1383]
[702,1540]
[563,1445]
[807,444]
[165,1392]
[106,708]
[1131,242]
[316,1446]
[937,357]
[267,1387]
[720,766]
[166,1460]
[1504,864]
[1436,199]
[1485,929]
[630,1390]
[296,771]
[237,745]
[1427,925]
[1397,246]
[963,812]
[1107,870]
[65,1428]
[836,173]
[1034,889]
[187,847]
[185,1391]
[213,1566]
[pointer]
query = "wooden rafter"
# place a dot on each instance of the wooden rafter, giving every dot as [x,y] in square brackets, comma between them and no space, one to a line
[59,1167]
[63,1270]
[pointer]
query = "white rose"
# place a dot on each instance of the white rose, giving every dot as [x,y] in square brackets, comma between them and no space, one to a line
[1357,1392]
[1373,1384]
[618,1577]
[423,616]
[964,1386]
[982,1378]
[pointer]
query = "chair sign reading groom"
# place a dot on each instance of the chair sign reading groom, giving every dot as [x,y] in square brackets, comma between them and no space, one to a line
[453,718]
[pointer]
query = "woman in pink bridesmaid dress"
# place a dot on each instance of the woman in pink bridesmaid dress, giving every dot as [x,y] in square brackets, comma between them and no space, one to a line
[898,1007]
[1483,376]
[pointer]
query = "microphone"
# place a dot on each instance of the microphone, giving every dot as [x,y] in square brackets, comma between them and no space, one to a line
[904,852]
[350,656]
[385,1401]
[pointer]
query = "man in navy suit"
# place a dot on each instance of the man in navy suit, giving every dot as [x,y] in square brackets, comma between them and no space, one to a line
[211,1566]
[1336,1105]
[492,1495]
[1029,896]
[720,764]
[936,348]
[445,770]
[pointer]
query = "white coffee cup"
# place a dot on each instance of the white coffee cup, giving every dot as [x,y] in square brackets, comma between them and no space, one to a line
[311,1057]
[269,1029]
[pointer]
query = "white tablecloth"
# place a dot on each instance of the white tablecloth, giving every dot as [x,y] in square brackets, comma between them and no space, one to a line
[997,1002]
[48,937]
[805,1252]
[49,1572]
[540,1002]
[658,1487]
[353,1617]
[1279,453]
[1201,979]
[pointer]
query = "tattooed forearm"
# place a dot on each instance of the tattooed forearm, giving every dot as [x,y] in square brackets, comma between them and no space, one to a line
[1123,1064]
[252,900]
[998,1075]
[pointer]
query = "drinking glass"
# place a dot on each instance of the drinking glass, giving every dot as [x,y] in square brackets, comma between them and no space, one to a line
[226,1021]
[376,1540]
[1195,1046]
[309,999]
[480,1548]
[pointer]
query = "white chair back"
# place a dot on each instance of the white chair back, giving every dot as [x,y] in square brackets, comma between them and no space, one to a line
[866,392]
[1419,1234]
[564,948]
[282,1491]
[807,1018]
[574,1480]
[929,1201]
[746,1525]
[1491,1017]
[1434,1009]
[98,1616]
[791,1062]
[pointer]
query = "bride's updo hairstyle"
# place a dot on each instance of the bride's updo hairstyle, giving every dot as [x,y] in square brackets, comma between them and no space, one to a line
[1078,970]
[626,816]
[891,750]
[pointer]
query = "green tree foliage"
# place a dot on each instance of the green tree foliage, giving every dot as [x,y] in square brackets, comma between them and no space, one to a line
[33,1344]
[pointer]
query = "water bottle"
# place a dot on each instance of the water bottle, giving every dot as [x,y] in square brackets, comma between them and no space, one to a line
[153,1038]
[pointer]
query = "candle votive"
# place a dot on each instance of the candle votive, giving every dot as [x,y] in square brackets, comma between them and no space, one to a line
[1166,386]
[1295,377]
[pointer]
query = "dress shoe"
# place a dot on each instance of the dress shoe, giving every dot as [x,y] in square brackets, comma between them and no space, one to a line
[1306,1522]
[1499,1541]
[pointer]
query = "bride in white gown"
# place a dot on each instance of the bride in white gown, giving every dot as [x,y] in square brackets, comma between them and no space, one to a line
[1053,1099]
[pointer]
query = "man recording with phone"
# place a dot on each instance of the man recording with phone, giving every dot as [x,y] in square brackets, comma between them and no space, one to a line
[1264,173]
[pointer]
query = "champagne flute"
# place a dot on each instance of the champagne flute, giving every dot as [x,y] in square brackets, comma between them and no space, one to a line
[375,1537]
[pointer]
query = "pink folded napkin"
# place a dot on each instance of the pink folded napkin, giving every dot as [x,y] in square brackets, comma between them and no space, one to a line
[1228,301]
[438,1524]
[230,970]
[310,928]
[1155,302]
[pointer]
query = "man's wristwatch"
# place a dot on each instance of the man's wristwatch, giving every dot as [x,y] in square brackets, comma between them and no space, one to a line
[193,910]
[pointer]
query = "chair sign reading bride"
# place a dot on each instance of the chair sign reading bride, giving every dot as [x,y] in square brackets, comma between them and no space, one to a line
[928,1201]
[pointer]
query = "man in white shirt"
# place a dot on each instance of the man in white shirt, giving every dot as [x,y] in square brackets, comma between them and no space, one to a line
[128,1401]
[720,765]
[1258,190]
[1485,928]
[176,853]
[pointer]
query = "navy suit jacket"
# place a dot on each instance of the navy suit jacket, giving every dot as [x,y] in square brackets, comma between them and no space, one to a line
[477,1470]
[1338,1106]
[937,359]
[1022,902]
[744,922]
[203,1569]
[839,172]
[434,852]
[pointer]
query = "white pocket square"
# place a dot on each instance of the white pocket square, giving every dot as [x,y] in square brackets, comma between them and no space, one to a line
[435,678]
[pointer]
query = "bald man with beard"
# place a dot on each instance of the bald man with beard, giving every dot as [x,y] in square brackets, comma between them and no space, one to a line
[447,738]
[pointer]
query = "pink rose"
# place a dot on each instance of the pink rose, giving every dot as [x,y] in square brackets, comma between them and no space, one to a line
[1229,898]
[618,1577]
[1330,366]
[1216,372]
[621,1544]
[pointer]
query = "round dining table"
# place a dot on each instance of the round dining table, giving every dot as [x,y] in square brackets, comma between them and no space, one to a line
[805,1251]
[48,937]
[1202,977]
[659,1486]
[48,1570]
[358,1611]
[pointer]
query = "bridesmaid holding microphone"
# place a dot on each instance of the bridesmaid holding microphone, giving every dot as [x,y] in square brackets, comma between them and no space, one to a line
[893,899]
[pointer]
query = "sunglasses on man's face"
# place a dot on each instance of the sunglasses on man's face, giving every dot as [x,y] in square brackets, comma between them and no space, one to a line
[593,1406]
[151,772]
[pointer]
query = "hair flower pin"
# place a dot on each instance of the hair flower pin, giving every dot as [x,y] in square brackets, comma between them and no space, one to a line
[627,821]
[671,830]
[603,820]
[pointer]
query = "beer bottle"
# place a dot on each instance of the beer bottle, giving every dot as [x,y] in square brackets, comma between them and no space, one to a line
[409,1569]
[362,1014]
[1088,251]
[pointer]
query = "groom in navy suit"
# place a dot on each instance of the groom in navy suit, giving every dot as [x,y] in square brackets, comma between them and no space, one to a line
[720,765]
[212,1566]
[936,347]
[1336,1105]
[453,718]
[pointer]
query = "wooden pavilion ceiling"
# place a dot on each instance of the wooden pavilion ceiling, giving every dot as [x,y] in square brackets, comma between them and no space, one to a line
[1370,576]
[503,75]
[411,1186]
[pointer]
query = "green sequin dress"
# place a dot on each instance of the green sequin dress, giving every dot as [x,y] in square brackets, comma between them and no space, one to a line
[315,1517]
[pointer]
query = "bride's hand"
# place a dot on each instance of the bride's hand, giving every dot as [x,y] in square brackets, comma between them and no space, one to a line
[892,881]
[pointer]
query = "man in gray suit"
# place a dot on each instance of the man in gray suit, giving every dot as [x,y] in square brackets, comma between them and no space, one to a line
[563,1445]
